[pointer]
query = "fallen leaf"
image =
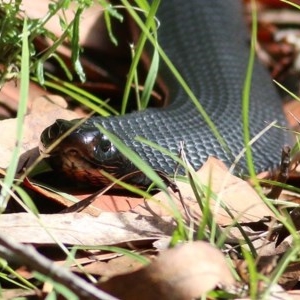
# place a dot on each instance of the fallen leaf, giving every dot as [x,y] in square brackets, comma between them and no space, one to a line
[117,203]
[62,198]
[116,266]
[10,94]
[237,194]
[18,293]
[83,229]
[239,197]
[291,275]
[184,272]
[294,295]
[44,111]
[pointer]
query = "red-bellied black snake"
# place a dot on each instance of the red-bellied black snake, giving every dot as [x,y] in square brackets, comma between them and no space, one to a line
[209,45]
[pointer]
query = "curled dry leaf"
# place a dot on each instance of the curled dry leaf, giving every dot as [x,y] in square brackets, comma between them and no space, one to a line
[240,198]
[64,200]
[44,111]
[184,272]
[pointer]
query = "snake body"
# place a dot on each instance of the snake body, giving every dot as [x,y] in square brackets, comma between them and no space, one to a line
[208,43]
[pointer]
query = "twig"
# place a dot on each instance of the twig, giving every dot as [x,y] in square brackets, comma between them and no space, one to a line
[283,173]
[29,257]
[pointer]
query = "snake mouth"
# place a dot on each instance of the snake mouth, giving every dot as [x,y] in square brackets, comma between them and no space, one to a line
[43,150]
[79,163]
[76,165]
[83,153]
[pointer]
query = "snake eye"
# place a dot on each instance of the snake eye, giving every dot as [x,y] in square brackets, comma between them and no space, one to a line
[105,144]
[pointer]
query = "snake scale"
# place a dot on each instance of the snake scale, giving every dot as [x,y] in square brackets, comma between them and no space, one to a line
[209,44]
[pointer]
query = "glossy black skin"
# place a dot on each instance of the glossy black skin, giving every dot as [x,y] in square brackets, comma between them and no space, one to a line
[209,45]
[84,152]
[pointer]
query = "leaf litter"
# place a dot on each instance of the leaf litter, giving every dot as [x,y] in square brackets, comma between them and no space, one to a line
[146,220]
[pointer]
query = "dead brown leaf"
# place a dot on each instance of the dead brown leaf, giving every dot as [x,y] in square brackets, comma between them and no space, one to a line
[294,295]
[118,203]
[184,272]
[113,267]
[10,93]
[291,276]
[65,200]
[240,198]
[83,229]
[44,111]
[17,293]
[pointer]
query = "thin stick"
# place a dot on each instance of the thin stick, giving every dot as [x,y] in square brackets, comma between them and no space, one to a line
[29,257]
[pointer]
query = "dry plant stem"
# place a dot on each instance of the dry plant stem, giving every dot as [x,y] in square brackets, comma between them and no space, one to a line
[79,206]
[283,173]
[295,218]
[29,257]
[174,187]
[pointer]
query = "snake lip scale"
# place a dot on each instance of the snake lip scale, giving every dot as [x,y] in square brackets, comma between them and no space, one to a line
[208,43]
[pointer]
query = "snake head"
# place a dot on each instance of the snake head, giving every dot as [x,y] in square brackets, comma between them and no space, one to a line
[82,152]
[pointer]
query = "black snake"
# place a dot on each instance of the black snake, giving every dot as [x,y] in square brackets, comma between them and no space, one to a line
[209,44]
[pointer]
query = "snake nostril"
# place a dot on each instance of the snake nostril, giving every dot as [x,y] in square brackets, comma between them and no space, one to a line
[53,131]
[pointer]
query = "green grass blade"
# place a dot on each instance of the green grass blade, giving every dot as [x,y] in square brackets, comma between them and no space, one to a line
[253,274]
[110,11]
[139,48]
[89,96]
[26,200]
[22,109]
[76,47]
[143,4]
[109,28]
[134,158]
[150,80]
[40,62]
[291,3]
[174,156]
[247,92]
[286,90]
[292,254]
[63,290]
[171,209]
[14,276]
[143,260]
[78,97]
[63,65]
[177,75]
[135,81]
